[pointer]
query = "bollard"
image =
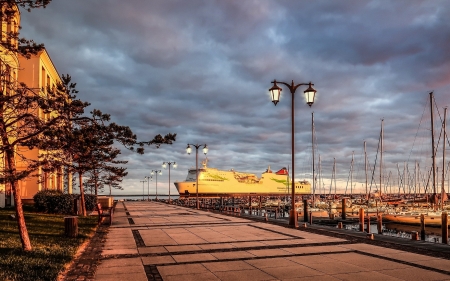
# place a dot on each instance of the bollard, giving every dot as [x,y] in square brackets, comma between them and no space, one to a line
[422,227]
[368,223]
[415,235]
[305,210]
[304,225]
[71,226]
[340,225]
[369,236]
[344,217]
[266,218]
[444,224]
[380,224]
[310,217]
[361,219]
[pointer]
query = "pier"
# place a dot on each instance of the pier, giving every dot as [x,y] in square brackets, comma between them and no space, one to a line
[157,241]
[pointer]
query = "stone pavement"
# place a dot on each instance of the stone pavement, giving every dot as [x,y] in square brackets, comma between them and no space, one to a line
[156,241]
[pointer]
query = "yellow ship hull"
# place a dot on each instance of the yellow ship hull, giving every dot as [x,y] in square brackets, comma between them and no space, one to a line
[214,182]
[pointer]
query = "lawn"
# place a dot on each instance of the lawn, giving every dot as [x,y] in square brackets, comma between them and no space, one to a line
[51,249]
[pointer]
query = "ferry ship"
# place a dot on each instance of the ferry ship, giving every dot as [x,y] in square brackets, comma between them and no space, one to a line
[215,182]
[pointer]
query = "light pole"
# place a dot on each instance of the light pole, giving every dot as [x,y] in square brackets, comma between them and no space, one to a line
[156,172]
[189,150]
[309,94]
[148,187]
[164,165]
[143,189]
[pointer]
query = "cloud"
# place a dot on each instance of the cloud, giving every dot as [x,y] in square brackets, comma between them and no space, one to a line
[202,69]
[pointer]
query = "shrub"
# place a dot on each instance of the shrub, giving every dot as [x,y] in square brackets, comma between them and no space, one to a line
[53,201]
[91,202]
[56,202]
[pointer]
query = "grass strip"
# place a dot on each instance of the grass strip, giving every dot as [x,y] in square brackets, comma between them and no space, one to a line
[51,249]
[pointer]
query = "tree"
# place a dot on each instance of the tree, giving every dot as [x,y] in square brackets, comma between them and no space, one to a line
[17,103]
[12,42]
[87,145]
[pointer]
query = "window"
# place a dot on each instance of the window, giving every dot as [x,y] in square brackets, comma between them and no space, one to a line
[43,79]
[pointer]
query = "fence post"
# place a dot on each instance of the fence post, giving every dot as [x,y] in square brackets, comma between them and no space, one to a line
[361,219]
[444,225]
[344,217]
[422,227]
[305,210]
[380,223]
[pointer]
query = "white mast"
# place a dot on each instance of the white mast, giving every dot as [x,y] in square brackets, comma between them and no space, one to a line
[443,160]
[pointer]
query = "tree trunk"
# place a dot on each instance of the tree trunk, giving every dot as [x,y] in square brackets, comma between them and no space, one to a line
[23,232]
[83,203]
[96,182]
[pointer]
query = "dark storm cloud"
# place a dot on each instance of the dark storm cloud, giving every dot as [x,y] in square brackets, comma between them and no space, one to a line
[202,69]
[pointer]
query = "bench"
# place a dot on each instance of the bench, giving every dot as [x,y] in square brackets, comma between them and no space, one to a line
[104,214]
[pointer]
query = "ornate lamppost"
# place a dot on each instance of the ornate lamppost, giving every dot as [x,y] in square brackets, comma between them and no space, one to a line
[164,165]
[189,150]
[156,173]
[309,95]
[143,189]
[148,187]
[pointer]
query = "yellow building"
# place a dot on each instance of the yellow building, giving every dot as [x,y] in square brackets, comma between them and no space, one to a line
[37,72]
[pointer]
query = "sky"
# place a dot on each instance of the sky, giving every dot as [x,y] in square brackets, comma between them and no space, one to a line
[202,69]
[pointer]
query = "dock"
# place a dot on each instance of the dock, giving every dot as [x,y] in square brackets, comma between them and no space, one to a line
[156,241]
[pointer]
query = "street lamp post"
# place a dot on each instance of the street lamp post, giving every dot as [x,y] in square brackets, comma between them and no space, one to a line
[143,189]
[148,187]
[309,94]
[156,172]
[164,165]
[189,150]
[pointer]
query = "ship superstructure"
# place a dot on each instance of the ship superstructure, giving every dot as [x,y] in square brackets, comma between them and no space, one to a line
[212,181]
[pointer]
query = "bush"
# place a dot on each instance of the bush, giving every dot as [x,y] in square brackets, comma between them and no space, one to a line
[91,201]
[56,202]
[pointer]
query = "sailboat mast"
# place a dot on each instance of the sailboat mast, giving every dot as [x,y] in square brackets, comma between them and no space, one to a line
[320,175]
[313,168]
[365,167]
[416,176]
[433,151]
[351,175]
[381,158]
[334,176]
[443,158]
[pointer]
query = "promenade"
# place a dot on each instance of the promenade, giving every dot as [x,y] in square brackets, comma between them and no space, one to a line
[156,241]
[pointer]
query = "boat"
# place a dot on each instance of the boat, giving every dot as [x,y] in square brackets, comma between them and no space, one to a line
[215,182]
[413,217]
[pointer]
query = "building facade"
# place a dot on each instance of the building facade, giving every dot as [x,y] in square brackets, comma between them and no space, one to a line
[38,73]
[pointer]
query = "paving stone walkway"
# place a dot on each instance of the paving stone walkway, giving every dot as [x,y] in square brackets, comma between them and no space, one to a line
[156,241]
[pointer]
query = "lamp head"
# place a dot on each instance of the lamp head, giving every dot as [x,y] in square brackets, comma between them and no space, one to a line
[275,92]
[164,165]
[205,149]
[175,164]
[188,149]
[310,93]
